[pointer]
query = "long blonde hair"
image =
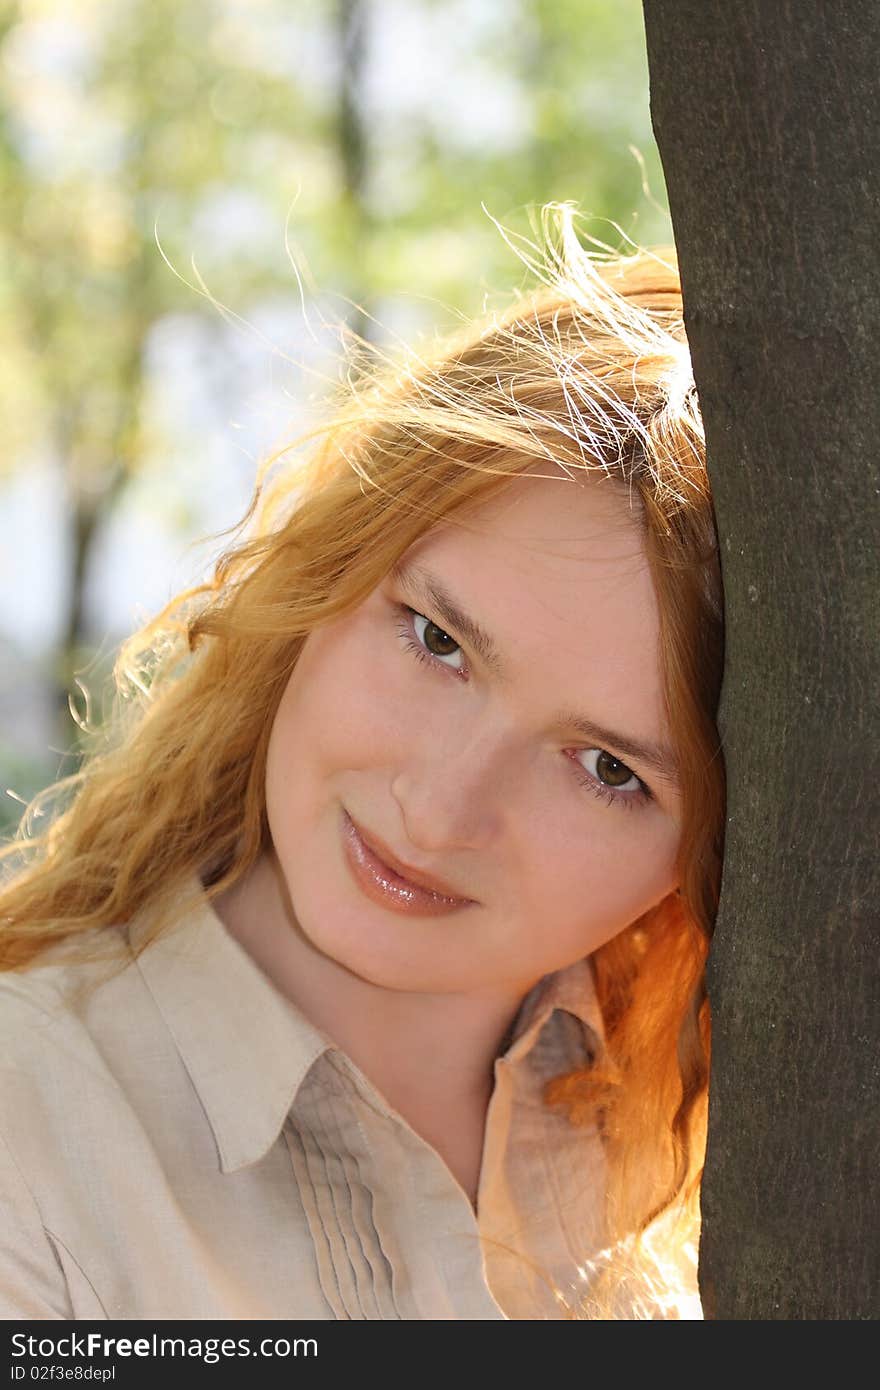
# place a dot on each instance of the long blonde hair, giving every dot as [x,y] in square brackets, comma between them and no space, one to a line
[589,370]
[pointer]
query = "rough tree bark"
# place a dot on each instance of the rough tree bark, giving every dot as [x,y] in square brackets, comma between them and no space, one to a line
[767,115]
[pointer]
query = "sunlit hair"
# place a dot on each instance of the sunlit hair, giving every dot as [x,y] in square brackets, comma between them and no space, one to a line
[589,370]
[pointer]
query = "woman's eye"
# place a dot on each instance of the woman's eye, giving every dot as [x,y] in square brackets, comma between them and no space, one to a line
[435,641]
[609,771]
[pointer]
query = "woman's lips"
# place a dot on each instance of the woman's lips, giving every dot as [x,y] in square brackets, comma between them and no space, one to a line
[386,885]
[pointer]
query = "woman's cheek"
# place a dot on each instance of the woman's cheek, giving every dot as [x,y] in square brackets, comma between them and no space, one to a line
[359,697]
[647,874]
[614,869]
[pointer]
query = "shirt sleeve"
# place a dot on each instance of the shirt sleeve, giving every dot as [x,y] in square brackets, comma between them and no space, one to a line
[32,1282]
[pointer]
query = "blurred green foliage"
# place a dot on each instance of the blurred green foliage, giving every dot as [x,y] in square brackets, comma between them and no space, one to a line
[114,118]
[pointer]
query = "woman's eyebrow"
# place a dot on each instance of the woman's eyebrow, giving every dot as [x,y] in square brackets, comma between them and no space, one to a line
[421,584]
[654,755]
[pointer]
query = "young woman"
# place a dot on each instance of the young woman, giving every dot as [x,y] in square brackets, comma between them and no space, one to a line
[360,975]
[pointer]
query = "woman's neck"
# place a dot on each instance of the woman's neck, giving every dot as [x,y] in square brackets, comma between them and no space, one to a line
[431,1056]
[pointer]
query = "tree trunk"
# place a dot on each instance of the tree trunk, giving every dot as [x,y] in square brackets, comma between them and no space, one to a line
[351,35]
[767,116]
[94,485]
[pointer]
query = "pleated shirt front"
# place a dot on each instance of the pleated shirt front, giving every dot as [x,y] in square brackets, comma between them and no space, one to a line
[179,1141]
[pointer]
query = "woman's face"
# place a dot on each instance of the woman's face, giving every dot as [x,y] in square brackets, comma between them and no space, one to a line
[527,777]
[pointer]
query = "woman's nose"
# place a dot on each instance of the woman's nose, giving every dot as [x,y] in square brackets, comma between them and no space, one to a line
[451,791]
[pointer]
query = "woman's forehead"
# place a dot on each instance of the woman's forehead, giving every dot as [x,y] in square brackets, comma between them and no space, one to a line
[590,524]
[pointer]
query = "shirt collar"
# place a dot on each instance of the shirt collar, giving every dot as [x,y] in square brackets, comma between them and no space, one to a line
[247,1049]
[571,991]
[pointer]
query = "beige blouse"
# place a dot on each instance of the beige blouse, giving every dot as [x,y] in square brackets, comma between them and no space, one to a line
[181,1142]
